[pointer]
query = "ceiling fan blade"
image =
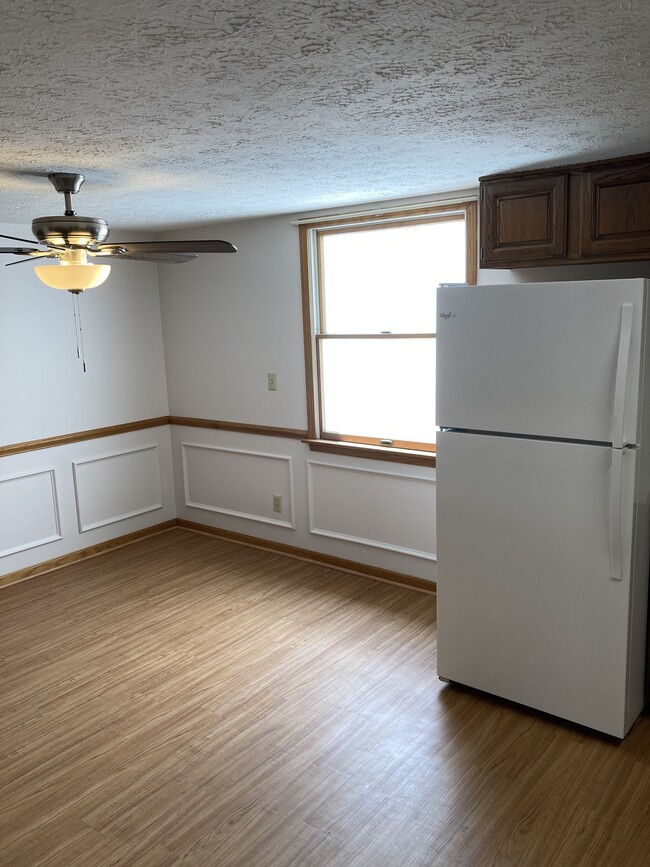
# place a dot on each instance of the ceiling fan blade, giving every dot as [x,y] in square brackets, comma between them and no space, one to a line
[32,256]
[24,251]
[24,240]
[168,258]
[171,247]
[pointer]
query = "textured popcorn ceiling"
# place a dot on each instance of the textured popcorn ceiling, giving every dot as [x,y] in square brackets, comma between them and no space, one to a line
[186,112]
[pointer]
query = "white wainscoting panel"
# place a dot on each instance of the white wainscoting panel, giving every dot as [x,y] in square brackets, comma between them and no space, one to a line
[116,486]
[373,507]
[30,511]
[238,482]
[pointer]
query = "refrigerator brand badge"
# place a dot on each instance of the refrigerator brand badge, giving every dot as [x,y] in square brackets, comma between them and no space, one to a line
[447,315]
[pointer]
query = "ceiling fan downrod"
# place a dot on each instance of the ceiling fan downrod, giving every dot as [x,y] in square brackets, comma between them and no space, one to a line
[69,231]
[67,183]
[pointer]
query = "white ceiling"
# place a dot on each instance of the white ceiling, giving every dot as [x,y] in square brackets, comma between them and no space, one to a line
[183,113]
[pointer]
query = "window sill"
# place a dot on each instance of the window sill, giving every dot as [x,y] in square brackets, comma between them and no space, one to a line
[377,453]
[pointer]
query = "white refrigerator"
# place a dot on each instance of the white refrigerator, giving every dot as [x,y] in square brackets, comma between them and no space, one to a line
[543,495]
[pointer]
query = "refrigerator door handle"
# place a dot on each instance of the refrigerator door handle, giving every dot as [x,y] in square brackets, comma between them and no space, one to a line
[616,515]
[622,370]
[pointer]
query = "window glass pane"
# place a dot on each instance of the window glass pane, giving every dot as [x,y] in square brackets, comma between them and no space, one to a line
[385,279]
[381,388]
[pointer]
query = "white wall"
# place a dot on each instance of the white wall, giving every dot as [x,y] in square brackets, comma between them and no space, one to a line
[43,390]
[228,320]
[370,512]
[58,500]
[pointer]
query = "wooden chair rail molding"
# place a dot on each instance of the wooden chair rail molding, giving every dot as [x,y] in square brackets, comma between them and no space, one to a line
[425,459]
[239,427]
[143,424]
[339,563]
[80,436]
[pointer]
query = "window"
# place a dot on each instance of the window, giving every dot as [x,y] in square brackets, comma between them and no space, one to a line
[369,302]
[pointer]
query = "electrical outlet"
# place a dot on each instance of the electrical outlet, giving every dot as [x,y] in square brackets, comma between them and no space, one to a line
[277,503]
[272,380]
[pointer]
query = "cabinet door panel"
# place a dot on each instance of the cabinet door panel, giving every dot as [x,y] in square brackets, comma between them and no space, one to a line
[523,219]
[616,216]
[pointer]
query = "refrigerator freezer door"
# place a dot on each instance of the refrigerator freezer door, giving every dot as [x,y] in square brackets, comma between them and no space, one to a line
[527,608]
[541,359]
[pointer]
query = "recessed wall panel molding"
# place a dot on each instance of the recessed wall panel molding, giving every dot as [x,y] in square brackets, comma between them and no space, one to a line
[246,484]
[117,486]
[30,511]
[373,507]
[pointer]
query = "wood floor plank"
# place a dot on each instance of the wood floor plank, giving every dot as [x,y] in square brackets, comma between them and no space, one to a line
[191,701]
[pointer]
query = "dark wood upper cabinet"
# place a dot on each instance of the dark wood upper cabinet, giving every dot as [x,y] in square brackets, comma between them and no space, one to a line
[616,210]
[597,212]
[524,218]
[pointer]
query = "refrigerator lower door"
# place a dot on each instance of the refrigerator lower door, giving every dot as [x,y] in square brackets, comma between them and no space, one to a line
[527,607]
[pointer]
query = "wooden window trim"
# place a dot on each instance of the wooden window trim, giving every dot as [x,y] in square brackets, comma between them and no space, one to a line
[383,335]
[343,444]
[377,453]
[380,219]
[378,441]
[391,224]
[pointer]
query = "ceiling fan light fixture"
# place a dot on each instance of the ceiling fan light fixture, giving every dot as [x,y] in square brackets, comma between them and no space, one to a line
[73,273]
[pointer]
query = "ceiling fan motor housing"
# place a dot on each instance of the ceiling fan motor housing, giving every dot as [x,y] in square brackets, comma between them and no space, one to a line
[70,231]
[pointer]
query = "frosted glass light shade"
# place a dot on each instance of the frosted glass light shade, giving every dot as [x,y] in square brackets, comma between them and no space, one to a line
[76,277]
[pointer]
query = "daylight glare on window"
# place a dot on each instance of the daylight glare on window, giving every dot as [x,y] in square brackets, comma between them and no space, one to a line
[371,388]
[385,279]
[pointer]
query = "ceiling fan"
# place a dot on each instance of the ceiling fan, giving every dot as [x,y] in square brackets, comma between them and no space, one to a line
[71,239]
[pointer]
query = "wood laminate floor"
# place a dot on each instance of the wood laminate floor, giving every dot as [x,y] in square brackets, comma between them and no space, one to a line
[188,701]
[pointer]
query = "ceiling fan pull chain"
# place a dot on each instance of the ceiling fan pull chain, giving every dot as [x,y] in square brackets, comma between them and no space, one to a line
[78,327]
[81,336]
